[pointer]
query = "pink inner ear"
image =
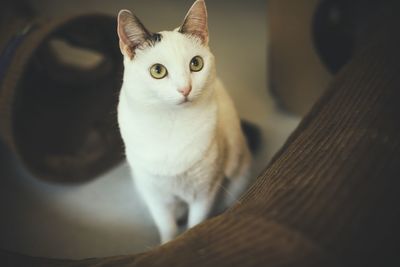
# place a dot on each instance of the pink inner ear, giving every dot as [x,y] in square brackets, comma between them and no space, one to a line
[131,32]
[124,17]
[195,22]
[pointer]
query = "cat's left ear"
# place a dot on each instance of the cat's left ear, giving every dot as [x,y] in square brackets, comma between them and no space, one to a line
[131,33]
[195,22]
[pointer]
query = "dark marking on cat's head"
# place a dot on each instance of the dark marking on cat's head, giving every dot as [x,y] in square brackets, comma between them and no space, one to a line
[154,38]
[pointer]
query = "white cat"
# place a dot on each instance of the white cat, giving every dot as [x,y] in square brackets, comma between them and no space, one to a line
[181,131]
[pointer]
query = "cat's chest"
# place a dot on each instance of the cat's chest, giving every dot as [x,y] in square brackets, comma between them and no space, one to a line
[199,178]
[166,143]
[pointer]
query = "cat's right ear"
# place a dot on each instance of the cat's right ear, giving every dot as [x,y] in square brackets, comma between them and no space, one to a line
[131,33]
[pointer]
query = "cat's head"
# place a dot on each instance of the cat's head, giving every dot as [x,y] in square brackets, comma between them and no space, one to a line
[170,67]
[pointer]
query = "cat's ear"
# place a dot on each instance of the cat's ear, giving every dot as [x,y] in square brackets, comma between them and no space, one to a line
[131,33]
[195,22]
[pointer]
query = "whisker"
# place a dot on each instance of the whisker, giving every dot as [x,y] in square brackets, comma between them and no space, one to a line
[229,193]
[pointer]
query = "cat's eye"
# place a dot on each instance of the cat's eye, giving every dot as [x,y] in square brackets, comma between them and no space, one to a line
[158,71]
[196,64]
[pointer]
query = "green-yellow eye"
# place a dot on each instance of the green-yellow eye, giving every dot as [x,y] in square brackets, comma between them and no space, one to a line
[158,71]
[196,64]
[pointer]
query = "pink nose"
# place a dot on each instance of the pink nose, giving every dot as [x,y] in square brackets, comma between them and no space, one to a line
[185,91]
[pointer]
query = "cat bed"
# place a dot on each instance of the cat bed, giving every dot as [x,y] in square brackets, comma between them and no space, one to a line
[59,83]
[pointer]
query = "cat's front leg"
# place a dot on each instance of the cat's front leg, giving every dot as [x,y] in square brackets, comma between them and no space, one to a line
[200,207]
[162,207]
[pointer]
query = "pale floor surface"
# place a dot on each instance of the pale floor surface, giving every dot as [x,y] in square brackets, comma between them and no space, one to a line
[106,217]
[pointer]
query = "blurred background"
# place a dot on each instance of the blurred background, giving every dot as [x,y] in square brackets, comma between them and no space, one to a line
[265,56]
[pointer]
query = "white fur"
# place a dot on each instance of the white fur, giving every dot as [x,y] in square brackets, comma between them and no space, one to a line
[180,152]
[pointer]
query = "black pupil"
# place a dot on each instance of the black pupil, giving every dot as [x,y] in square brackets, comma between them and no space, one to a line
[158,69]
[195,62]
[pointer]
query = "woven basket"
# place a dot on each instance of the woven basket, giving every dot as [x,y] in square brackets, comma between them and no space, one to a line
[58,118]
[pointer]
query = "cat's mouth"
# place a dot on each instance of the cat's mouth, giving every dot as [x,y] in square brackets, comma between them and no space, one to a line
[184,101]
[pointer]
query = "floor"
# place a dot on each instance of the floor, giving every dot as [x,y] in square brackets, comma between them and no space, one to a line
[106,217]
